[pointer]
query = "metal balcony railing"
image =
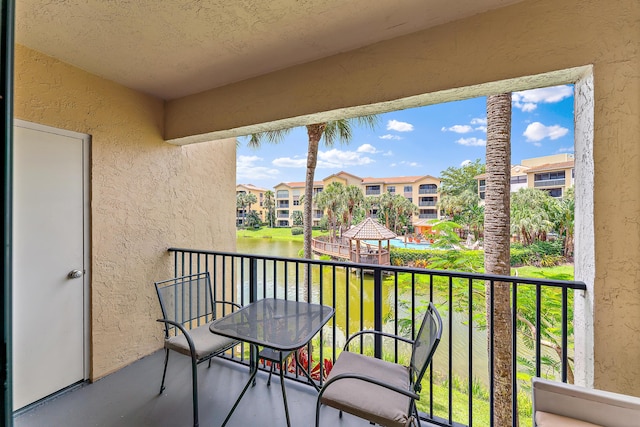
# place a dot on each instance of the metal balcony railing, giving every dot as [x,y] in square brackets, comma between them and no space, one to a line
[428,203]
[549,182]
[392,299]
[428,216]
[427,191]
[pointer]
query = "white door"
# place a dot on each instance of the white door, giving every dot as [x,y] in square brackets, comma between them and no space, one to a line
[49,244]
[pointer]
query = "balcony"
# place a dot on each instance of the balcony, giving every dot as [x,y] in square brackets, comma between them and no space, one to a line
[427,191]
[372,192]
[380,298]
[549,183]
[428,216]
[427,203]
[283,205]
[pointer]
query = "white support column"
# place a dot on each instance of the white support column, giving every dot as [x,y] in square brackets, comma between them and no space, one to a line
[584,230]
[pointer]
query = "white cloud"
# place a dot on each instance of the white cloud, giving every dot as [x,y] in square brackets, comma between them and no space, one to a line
[465,163]
[388,153]
[478,121]
[393,165]
[288,162]
[410,164]
[246,169]
[367,148]
[389,136]
[339,159]
[536,131]
[528,100]
[458,129]
[399,126]
[566,150]
[471,142]
[481,129]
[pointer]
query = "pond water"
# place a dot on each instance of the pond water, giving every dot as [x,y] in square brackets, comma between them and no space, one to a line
[352,321]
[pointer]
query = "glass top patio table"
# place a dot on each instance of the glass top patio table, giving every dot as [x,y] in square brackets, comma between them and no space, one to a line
[274,323]
[281,325]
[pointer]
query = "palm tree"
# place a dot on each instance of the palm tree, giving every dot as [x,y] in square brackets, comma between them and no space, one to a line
[241,203]
[354,199]
[496,250]
[332,132]
[270,204]
[250,200]
[332,201]
[532,214]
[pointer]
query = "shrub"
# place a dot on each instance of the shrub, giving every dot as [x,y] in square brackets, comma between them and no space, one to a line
[297,230]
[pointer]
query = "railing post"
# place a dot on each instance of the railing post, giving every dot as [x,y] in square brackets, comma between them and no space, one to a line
[253,279]
[377,311]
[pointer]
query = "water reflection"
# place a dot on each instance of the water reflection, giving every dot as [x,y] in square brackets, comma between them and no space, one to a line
[354,304]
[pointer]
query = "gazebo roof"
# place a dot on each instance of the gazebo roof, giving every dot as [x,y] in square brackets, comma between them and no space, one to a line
[369,229]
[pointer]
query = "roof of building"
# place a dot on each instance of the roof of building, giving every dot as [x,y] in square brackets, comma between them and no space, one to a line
[396,179]
[341,173]
[251,187]
[369,229]
[552,166]
[299,184]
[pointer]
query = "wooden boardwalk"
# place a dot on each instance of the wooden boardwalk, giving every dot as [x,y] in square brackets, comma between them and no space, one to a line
[369,254]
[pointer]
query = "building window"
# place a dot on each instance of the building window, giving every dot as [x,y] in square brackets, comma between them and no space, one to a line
[391,189]
[282,194]
[296,202]
[428,189]
[548,176]
[555,192]
[373,190]
[408,189]
[522,179]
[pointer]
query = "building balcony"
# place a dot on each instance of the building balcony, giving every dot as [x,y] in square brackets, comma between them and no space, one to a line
[373,192]
[428,191]
[428,216]
[283,205]
[549,183]
[427,203]
[129,397]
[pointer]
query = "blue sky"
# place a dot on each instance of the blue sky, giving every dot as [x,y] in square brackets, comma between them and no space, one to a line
[419,141]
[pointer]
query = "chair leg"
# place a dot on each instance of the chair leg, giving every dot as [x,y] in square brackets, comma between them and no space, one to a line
[164,372]
[194,374]
[270,373]
[415,410]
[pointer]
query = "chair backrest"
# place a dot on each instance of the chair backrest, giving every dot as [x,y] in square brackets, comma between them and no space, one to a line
[186,300]
[425,344]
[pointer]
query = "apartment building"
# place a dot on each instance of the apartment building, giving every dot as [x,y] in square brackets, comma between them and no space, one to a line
[422,190]
[288,201]
[553,174]
[258,206]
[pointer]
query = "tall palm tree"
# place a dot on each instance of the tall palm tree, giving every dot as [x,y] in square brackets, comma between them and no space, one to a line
[496,250]
[332,200]
[354,199]
[270,204]
[332,132]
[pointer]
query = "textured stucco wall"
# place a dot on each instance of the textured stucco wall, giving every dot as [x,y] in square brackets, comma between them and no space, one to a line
[462,59]
[146,195]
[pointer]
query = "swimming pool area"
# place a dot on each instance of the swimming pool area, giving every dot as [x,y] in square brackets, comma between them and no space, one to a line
[399,243]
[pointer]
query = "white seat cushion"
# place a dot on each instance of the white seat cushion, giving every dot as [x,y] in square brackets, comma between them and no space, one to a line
[547,419]
[366,400]
[203,339]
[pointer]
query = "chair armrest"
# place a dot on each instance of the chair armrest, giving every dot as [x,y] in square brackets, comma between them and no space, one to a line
[371,380]
[372,332]
[235,304]
[192,347]
[594,406]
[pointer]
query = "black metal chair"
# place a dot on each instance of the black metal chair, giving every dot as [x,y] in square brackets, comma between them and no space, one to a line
[188,308]
[382,392]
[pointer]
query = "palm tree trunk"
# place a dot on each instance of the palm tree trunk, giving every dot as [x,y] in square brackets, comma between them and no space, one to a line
[496,249]
[315,133]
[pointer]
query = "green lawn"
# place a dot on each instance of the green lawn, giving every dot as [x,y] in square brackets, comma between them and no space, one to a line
[276,234]
[559,272]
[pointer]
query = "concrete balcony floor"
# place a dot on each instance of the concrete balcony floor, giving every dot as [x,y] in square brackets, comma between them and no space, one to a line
[129,398]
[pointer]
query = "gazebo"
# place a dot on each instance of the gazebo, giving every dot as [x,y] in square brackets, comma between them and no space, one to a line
[367,253]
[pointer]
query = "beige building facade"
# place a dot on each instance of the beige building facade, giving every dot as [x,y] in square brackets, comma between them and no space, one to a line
[423,191]
[151,190]
[258,207]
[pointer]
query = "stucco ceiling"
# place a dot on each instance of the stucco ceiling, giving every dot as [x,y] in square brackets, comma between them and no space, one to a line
[172,48]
